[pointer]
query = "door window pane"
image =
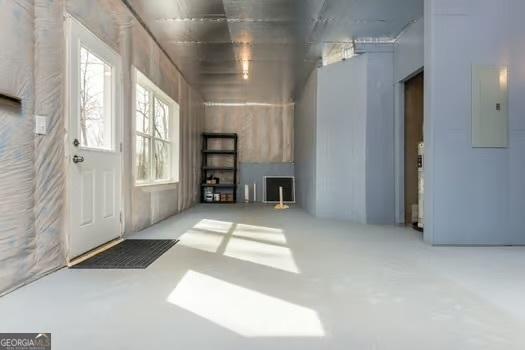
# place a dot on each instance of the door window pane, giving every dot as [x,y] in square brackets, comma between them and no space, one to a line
[161,119]
[143,114]
[95,101]
[162,160]
[142,154]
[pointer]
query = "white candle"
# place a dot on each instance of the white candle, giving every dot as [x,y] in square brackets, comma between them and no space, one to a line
[281,196]
[246,194]
[254,193]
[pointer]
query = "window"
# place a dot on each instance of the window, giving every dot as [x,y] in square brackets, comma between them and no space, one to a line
[95,102]
[156,133]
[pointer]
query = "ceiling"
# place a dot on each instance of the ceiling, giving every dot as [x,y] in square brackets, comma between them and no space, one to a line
[276,42]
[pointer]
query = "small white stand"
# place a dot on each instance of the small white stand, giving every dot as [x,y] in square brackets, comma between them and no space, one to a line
[281,205]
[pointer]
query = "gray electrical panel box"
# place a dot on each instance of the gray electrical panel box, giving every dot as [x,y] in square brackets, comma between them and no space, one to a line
[490,117]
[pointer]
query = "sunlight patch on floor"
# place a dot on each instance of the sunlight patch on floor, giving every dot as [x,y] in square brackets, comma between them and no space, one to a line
[244,311]
[256,244]
[214,226]
[270,255]
[261,233]
[206,241]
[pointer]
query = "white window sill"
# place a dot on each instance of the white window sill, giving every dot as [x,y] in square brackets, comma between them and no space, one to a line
[158,186]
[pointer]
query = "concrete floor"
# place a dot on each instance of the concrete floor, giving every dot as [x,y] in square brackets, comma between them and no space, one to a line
[248,277]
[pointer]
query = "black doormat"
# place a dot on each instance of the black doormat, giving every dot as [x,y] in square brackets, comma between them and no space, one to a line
[129,254]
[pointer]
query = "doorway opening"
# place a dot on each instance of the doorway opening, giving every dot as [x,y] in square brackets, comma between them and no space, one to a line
[413,138]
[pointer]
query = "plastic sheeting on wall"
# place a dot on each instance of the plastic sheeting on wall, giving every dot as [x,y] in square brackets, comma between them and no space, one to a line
[151,206]
[49,174]
[17,233]
[112,21]
[265,131]
[32,168]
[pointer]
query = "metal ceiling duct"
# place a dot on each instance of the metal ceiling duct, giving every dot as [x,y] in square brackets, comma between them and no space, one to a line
[275,44]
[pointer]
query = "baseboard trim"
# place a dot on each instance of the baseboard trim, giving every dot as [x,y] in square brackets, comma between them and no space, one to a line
[94,252]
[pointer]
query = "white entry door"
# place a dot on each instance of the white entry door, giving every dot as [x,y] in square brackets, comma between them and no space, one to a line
[94,141]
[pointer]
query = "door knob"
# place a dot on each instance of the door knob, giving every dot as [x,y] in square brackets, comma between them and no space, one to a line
[78,159]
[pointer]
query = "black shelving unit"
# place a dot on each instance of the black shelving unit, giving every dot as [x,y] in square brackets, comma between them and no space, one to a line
[206,169]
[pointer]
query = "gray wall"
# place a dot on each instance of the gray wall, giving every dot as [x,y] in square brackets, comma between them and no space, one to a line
[250,173]
[409,52]
[473,196]
[344,140]
[305,145]
[341,140]
[380,193]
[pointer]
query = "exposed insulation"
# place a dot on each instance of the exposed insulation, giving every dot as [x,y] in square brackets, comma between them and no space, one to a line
[17,224]
[33,203]
[265,132]
[49,167]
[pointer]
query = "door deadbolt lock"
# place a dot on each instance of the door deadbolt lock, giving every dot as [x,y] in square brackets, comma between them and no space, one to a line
[76,143]
[78,159]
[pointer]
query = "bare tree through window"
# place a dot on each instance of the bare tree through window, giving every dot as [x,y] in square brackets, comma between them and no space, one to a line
[142,125]
[95,101]
[153,135]
[161,125]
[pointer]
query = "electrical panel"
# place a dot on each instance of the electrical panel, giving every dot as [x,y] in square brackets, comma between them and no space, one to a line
[490,119]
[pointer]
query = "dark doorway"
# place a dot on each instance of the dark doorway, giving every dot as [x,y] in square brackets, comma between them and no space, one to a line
[414,97]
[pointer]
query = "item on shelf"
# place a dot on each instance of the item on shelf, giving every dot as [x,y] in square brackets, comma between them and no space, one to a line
[217,180]
[210,180]
[208,194]
[217,197]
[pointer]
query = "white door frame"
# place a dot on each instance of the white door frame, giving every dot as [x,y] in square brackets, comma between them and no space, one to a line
[69,23]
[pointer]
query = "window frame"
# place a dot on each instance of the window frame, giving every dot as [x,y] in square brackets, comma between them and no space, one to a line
[173,140]
[109,110]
